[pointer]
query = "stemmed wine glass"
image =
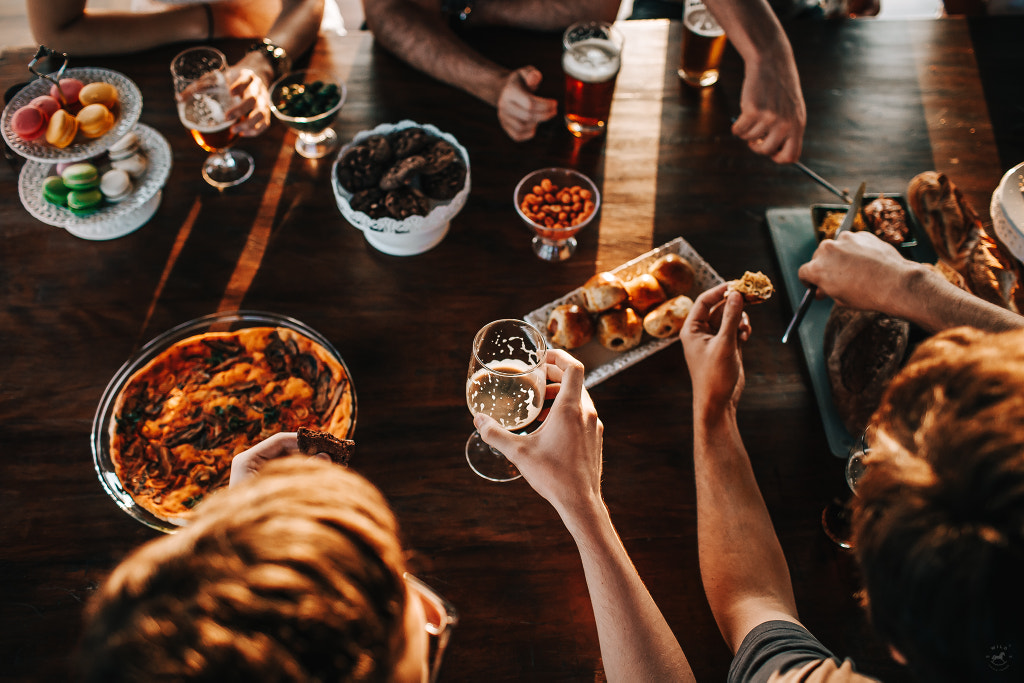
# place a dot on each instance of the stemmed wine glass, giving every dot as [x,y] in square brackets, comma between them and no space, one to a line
[835,518]
[506,380]
[204,97]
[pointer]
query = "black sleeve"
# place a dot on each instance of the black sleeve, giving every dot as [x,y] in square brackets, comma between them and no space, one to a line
[774,646]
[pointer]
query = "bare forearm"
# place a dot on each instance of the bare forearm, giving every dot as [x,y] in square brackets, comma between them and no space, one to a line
[70,27]
[296,28]
[929,300]
[636,641]
[419,36]
[751,27]
[742,566]
[543,15]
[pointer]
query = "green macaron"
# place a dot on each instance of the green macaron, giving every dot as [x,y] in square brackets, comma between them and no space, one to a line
[83,202]
[55,191]
[81,176]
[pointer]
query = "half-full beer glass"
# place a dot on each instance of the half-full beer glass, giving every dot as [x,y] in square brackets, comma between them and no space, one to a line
[703,44]
[591,60]
[204,98]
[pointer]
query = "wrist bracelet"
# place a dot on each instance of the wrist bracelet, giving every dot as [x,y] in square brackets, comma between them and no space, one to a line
[209,21]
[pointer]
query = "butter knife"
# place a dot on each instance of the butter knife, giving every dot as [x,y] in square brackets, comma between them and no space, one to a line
[805,302]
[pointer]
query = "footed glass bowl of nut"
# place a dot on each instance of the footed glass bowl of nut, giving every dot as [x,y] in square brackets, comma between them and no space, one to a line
[309,101]
[556,203]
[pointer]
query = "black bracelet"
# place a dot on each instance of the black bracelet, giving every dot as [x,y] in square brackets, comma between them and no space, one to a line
[209,20]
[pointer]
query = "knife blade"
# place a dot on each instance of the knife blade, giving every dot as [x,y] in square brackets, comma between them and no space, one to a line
[805,302]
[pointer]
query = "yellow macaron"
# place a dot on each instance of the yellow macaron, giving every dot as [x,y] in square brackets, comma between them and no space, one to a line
[98,93]
[62,129]
[94,120]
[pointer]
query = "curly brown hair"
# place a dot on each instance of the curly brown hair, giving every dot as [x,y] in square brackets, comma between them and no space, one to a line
[939,515]
[294,576]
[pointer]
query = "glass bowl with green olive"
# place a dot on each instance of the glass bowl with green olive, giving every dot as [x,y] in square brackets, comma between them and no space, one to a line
[309,101]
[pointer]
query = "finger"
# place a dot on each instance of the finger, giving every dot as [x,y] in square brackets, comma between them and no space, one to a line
[494,434]
[701,310]
[790,151]
[241,109]
[732,315]
[572,371]
[745,329]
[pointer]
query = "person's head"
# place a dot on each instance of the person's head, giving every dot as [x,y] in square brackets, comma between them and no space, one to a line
[297,575]
[939,515]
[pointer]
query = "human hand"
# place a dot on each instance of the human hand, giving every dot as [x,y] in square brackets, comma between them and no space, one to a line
[248,81]
[247,464]
[773,114]
[519,110]
[712,348]
[561,459]
[858,270]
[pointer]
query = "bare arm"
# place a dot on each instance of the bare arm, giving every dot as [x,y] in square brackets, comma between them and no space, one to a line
[861,271]
[562,461]
[773,114]
[742,566]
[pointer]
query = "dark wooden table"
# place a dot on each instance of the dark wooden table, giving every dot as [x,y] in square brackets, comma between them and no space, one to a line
[886,100]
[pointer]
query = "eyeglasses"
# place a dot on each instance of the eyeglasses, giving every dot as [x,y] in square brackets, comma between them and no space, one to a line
[441,619]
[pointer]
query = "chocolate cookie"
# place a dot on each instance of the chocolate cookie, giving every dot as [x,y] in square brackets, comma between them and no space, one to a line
[439,156]
[371,202]
[409,141]
[405,202]
[380,149]
[357,170]
[402,172]
[445,184]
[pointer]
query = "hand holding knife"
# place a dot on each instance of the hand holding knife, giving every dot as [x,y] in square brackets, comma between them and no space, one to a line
[809,295]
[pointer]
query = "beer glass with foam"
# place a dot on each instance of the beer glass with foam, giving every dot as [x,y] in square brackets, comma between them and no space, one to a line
[591,59]
[204,97]
[703,44]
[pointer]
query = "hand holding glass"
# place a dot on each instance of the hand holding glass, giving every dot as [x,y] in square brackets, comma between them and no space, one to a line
[204,98]
[506,381]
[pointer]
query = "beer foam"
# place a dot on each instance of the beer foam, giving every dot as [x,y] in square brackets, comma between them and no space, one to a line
[594,60]
[702,23]
[205,112]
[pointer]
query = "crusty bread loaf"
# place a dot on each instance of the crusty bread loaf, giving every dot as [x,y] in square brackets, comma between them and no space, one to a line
[667,319]
[863,351]
[675,274]
[620,329]
[644,292]
[569,326]
[603,291]
[985,268]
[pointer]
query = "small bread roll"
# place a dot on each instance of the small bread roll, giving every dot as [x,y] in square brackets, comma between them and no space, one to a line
[756,288]
[644,292]
[570,326]
[675,274]
[667,319]
[620,330]
[603,291]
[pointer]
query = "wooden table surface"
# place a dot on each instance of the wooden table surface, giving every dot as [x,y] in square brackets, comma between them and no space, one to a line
[886,100]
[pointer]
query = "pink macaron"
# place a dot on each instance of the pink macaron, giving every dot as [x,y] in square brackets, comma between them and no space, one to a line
[29,122]
[48,104]
[70,87]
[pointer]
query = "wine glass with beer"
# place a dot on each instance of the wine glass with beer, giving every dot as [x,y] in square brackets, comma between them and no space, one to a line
[591,59]
[506,380]
[835,518]
[204,100]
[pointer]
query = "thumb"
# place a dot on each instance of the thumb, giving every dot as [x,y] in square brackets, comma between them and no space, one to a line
[492,432]
[531,77]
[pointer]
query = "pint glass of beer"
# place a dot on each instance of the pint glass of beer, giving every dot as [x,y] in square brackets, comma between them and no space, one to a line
[703,44]
[203,96]
[591,59]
